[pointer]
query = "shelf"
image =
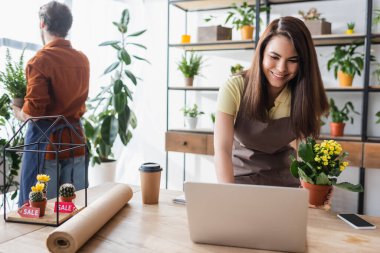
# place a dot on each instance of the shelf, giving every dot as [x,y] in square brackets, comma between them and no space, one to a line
[195,131]
[217,45]
[356,138]
[193,88]
[338,39]
[203,5]
[374,88]
[347,89]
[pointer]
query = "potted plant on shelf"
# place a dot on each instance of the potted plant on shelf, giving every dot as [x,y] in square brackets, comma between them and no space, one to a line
[191,115]
[37,199]
[378,116]
[67,192]
[109,114]
[346,63]
[190,67]
[315,24]
[319,168]
[339,116]
[13,79]
[236,69]
[350,28]
[243,18]
[213,32]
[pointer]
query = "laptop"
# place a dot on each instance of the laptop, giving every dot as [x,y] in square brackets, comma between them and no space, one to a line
[248,216]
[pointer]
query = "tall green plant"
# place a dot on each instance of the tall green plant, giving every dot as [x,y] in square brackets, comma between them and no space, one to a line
[13,78]
[109,113]
[8,127]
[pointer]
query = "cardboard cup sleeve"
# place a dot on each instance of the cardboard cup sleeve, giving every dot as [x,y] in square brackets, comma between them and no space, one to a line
[71,235]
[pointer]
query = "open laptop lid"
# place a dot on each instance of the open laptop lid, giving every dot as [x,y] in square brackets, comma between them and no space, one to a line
[250,216]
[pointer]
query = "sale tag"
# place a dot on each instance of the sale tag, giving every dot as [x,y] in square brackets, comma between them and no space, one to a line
[29,212]
[64,207]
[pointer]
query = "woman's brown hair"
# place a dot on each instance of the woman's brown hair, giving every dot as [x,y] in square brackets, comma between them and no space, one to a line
[309,101]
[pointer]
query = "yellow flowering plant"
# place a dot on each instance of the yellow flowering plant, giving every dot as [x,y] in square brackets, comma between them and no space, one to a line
[43,178]
[39,187]
[321,164]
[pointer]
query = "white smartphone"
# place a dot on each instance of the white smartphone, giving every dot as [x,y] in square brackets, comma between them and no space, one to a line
[356,221]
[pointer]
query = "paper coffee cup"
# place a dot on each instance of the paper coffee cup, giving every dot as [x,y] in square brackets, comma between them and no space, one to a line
[150,176]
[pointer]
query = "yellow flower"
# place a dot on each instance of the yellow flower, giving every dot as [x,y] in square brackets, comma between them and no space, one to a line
[38,187]
[43,178]
[325,163]
[345,164]
[341,167]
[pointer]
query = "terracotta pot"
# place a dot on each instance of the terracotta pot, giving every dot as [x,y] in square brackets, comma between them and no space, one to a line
[317,193]
[67,199]
[247,32]
[345,80]
[19,102]
[41,205]
[189,81]
[336,129]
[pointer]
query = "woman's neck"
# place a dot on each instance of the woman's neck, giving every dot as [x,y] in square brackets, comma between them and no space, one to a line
[273,93]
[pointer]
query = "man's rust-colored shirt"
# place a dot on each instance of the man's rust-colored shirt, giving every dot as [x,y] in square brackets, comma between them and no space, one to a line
[58,83]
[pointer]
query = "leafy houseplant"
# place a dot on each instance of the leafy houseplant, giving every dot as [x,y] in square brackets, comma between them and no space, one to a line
[109,113]
[13,78]
[190,67]
[320,165]
[8,128]
[67,192]
[243,18]
[339,116]
[346,63]
[191,114]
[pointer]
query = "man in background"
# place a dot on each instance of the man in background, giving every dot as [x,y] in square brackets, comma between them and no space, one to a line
[57,84]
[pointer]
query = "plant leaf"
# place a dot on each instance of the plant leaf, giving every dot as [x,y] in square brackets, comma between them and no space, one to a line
[304,177]
[305,151]
[131,76]
[109,43]
[111,67]
[322,179]
[109,129]
[350,187]
[123,119]
[125,56]
[136,33]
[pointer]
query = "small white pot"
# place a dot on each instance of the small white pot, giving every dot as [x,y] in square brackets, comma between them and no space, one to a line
[101,173]
[191,122]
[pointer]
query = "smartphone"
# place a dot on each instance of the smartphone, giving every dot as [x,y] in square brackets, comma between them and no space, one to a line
[355,221]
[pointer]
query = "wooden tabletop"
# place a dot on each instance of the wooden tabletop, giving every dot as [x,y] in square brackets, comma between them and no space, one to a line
[163,228]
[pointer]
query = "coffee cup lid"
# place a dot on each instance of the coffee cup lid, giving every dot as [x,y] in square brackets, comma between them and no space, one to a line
[150,167]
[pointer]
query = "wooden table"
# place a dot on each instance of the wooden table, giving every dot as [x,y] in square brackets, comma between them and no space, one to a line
[163,228]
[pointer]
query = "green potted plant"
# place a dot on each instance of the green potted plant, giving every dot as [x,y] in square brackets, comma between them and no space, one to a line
[191,115]
[13,79]
[8,127]
[350,28]
[213,33]
[319,168]
[339,116]
[236,69]
[109,113]
[37,199]
[67,192]
[346,62]
[314,22]
[243,18]
[190,66]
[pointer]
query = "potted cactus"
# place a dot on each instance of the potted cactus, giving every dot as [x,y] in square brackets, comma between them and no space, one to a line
[37,199]
[350,28]
[67,192]
[43,179]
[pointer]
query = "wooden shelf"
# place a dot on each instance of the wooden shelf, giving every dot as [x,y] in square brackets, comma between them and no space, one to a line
[338,39]
[341,138]
[195,131]
[371,155]
[193,88]
[203,5]
[217,45]
[347,89]
[374,88]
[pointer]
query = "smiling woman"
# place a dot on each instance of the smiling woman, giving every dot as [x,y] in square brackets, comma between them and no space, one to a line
[278,99]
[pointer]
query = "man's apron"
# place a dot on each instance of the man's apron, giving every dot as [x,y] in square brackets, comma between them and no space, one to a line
[30,165]
[261,152]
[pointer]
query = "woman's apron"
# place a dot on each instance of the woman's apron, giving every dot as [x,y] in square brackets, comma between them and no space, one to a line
[261,152]
[32,162]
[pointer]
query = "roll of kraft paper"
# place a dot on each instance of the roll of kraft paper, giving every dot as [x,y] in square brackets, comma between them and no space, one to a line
[70,236]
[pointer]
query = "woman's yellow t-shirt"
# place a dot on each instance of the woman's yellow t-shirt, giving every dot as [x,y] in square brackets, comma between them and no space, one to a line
[230,94]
